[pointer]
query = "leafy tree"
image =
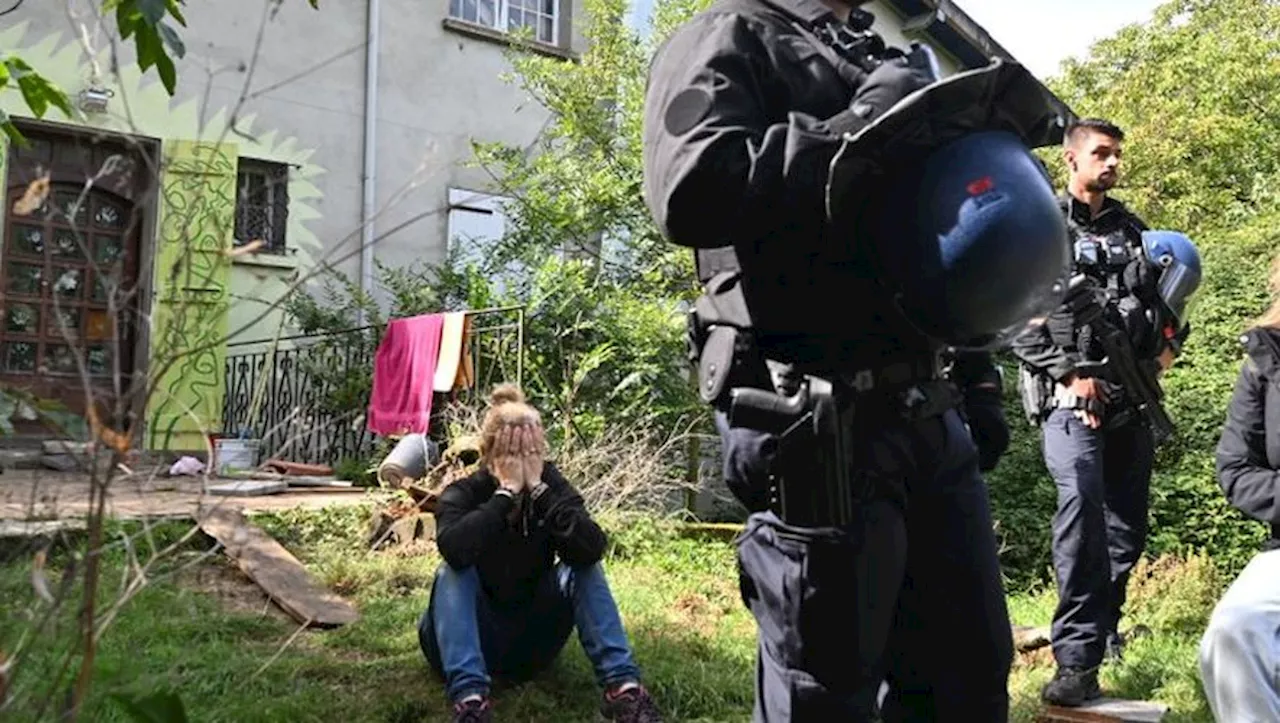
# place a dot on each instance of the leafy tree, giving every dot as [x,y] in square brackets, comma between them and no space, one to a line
[582,249]
[1197,90]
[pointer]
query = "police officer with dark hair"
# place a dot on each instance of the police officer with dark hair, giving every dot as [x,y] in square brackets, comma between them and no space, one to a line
[1098,448]
[854,218]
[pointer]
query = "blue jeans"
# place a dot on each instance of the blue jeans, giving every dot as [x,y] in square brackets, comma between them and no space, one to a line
[465,637]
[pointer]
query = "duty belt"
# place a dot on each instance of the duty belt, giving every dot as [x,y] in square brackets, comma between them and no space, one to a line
[817,479]
[1116,413]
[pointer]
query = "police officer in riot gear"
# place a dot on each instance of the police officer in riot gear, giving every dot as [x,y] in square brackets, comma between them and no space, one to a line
[852,219]
[1098,449]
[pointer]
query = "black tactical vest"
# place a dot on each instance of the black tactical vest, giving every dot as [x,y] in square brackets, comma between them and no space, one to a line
[1108,249]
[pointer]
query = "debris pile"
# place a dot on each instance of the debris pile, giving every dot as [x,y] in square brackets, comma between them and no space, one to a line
[410,468]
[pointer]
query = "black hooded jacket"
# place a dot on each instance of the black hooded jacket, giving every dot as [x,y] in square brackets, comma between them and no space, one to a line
[1248,454]
[514,543]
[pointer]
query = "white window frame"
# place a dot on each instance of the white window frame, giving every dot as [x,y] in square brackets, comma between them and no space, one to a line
[471,208]
[501,18]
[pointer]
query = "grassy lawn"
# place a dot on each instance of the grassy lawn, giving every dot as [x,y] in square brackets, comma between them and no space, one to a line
[206,633]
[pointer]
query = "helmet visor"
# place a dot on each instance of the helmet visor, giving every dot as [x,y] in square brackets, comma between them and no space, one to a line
[1177,289]
[1031,315]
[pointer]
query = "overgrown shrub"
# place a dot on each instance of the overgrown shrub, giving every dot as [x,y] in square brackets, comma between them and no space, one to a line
[1172,594]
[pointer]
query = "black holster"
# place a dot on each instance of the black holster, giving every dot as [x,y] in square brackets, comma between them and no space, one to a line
[721,341]
[813,480]
[814,477]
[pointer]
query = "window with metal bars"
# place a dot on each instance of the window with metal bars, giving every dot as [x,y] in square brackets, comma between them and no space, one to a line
[262,204]
[541,17]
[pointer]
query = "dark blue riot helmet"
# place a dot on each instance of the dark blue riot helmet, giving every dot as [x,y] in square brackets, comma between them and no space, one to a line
[974,242]
[1178,261]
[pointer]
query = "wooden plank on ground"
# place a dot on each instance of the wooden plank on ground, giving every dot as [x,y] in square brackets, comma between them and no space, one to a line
[722,531]
[1106,710]
[38,528]
[247,488]
[275,570]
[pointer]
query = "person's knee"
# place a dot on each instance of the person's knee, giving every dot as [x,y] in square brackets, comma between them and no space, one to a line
[575,578]
[592,571]
[447,575]
[451,582]
[1231,632]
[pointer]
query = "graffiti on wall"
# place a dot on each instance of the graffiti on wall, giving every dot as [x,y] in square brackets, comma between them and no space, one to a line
[190,320]
[199,294]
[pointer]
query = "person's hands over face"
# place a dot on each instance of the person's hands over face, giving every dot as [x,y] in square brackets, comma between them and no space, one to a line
[507,464]
[534,451]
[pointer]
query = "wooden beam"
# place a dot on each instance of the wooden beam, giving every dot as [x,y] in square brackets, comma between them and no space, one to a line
[275,570]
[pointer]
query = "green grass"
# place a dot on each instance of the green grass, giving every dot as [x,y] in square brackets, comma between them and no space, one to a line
[205,636]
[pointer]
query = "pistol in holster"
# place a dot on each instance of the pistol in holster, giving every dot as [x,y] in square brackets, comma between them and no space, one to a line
[813,425]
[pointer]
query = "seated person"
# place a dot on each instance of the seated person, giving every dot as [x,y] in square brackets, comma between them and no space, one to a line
[500,603]
[1240,652]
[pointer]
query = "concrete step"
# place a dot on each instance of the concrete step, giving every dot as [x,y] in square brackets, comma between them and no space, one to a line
[21,458]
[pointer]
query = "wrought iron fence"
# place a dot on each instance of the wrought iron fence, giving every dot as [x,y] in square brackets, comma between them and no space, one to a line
[305,397]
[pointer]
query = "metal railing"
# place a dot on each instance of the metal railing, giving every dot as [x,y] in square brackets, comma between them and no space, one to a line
[306,397]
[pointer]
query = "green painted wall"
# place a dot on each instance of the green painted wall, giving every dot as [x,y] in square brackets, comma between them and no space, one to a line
[189,321]
[205,303]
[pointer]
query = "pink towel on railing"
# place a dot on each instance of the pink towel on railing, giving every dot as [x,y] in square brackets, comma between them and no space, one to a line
[404,372]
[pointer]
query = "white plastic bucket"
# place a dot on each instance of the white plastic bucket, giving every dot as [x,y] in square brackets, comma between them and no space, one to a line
[236,454]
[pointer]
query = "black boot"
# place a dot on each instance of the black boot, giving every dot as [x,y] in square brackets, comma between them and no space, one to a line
[1072,687]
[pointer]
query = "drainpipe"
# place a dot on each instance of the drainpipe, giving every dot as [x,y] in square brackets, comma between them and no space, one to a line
[370,150]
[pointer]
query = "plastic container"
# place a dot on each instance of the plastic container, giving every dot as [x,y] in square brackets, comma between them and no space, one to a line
[409,461]
[236,454]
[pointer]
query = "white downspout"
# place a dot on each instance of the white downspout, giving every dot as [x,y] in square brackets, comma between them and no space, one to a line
[370,150]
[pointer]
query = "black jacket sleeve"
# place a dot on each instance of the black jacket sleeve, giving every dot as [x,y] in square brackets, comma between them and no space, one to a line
[559,508]
[467,519]
[718,167]
[1035,348]
[1249,482]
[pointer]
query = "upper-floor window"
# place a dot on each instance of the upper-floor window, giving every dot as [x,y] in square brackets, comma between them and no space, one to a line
[262,204]
[540,16]
[476,224]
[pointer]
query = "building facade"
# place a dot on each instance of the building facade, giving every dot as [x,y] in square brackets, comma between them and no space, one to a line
[296,138]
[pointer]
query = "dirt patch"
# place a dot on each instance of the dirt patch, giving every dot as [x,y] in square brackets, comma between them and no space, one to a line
[416,548]
[695,612]
[1040,658]
[233,590]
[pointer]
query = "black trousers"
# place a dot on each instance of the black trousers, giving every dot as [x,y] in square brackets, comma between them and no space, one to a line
[909,593]
[1099,529]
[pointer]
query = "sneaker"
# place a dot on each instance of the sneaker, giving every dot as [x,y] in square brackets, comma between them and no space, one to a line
[629,704]
[1072,687]
[475,709]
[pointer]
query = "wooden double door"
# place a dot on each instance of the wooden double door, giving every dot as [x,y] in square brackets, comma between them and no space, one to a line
[69,292]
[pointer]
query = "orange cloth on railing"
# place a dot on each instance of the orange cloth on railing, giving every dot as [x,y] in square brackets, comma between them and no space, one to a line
[454,368]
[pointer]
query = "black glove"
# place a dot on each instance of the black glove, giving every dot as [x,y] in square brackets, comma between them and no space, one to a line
[987,425]
[889,83]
